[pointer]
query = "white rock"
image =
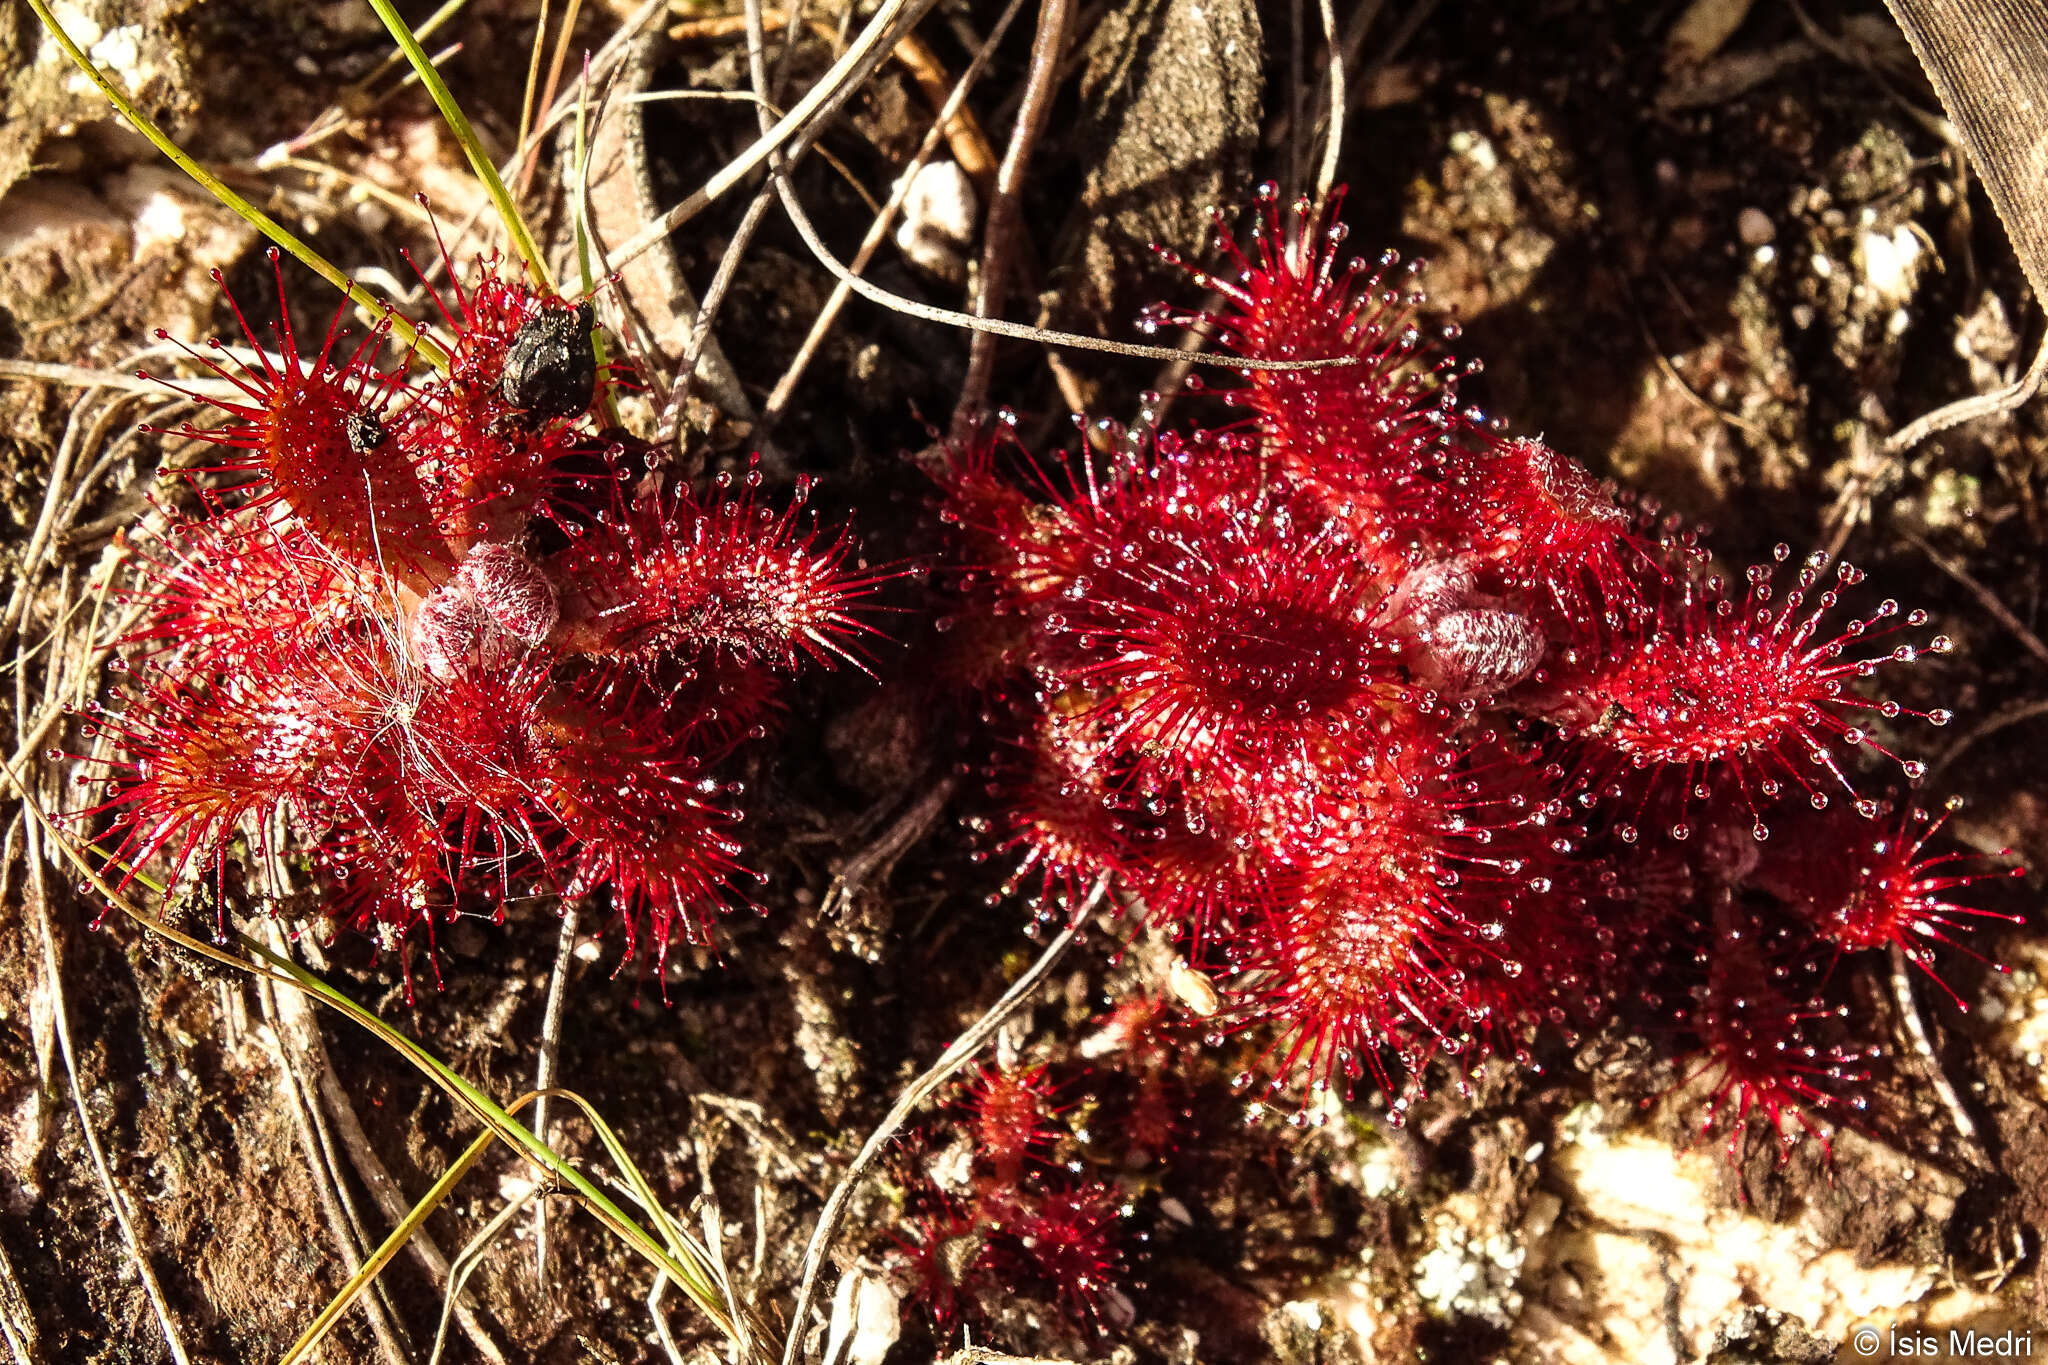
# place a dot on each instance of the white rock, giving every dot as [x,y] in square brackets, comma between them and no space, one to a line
[938,219]
[867,1317]
[1890,265]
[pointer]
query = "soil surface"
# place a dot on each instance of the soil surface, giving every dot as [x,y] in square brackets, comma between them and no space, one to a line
[1715,254]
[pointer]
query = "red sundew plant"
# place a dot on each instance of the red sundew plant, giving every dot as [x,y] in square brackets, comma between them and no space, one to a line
[941,1260]
[1026,1217]
[1872,889]
[1417,735]
[409,633]
[1068,1240]
[1008,1113]
[1760,1046]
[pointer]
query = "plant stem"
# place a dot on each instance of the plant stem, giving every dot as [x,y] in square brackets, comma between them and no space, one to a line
[472,147]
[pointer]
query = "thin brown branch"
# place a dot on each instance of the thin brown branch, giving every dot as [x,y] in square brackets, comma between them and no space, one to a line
[131,1239]
[17,1322]
[1923,1047]
[1977,734]
[878,230]
[1043,336]
[1986,598]
[823,100]
[2014,395]
[341,1226]
[1333,139]
[467,1260]
[550,1051]
[1005,212]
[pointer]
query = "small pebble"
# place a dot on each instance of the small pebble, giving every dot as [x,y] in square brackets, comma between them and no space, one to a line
[1755,227]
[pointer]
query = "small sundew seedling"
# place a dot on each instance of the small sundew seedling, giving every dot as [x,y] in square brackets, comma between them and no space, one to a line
[1010,1112]
[1873,887]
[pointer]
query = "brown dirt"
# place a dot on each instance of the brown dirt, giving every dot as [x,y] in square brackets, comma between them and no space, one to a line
[1582,205]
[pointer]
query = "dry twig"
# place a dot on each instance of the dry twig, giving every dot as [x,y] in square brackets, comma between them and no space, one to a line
[17,1322]
[1000,229]
[544,1073]
[342,1223]
[130,1237]
[950,1061]
[1937,1074]
[878,230]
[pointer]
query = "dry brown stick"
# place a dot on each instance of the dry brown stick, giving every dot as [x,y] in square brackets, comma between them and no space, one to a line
[1977,734]
[1916,1032]
[749,1115]
[1042,336]
[1005,210]
[544,1071]
[467,1259]
[17,1320]
[83,488]
[961,131]
[38,731]
[1295,88]
[17,1323]
[564,41]
[1333,141]
[45,528]
[132,1240]
[393,1203]
[2015,395]
[529,145]
[878,230]
[750,222]
[1988,599]
[42,1028]
[700,335]
[1873,468]
[755,25]
[653,298]
[1364,13]
[951,1060]
[330,1161]
[38,896]
[326,1180]
[879,856]
[529,161]
[714,299]
[85,377]
[608,56]
[868,51]
[661,1327]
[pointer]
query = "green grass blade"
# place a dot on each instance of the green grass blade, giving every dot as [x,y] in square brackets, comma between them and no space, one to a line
[379,1258]
[598,348]
[428,349]
[485,1108]
[458,123]
[263,962]
[702,1287]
